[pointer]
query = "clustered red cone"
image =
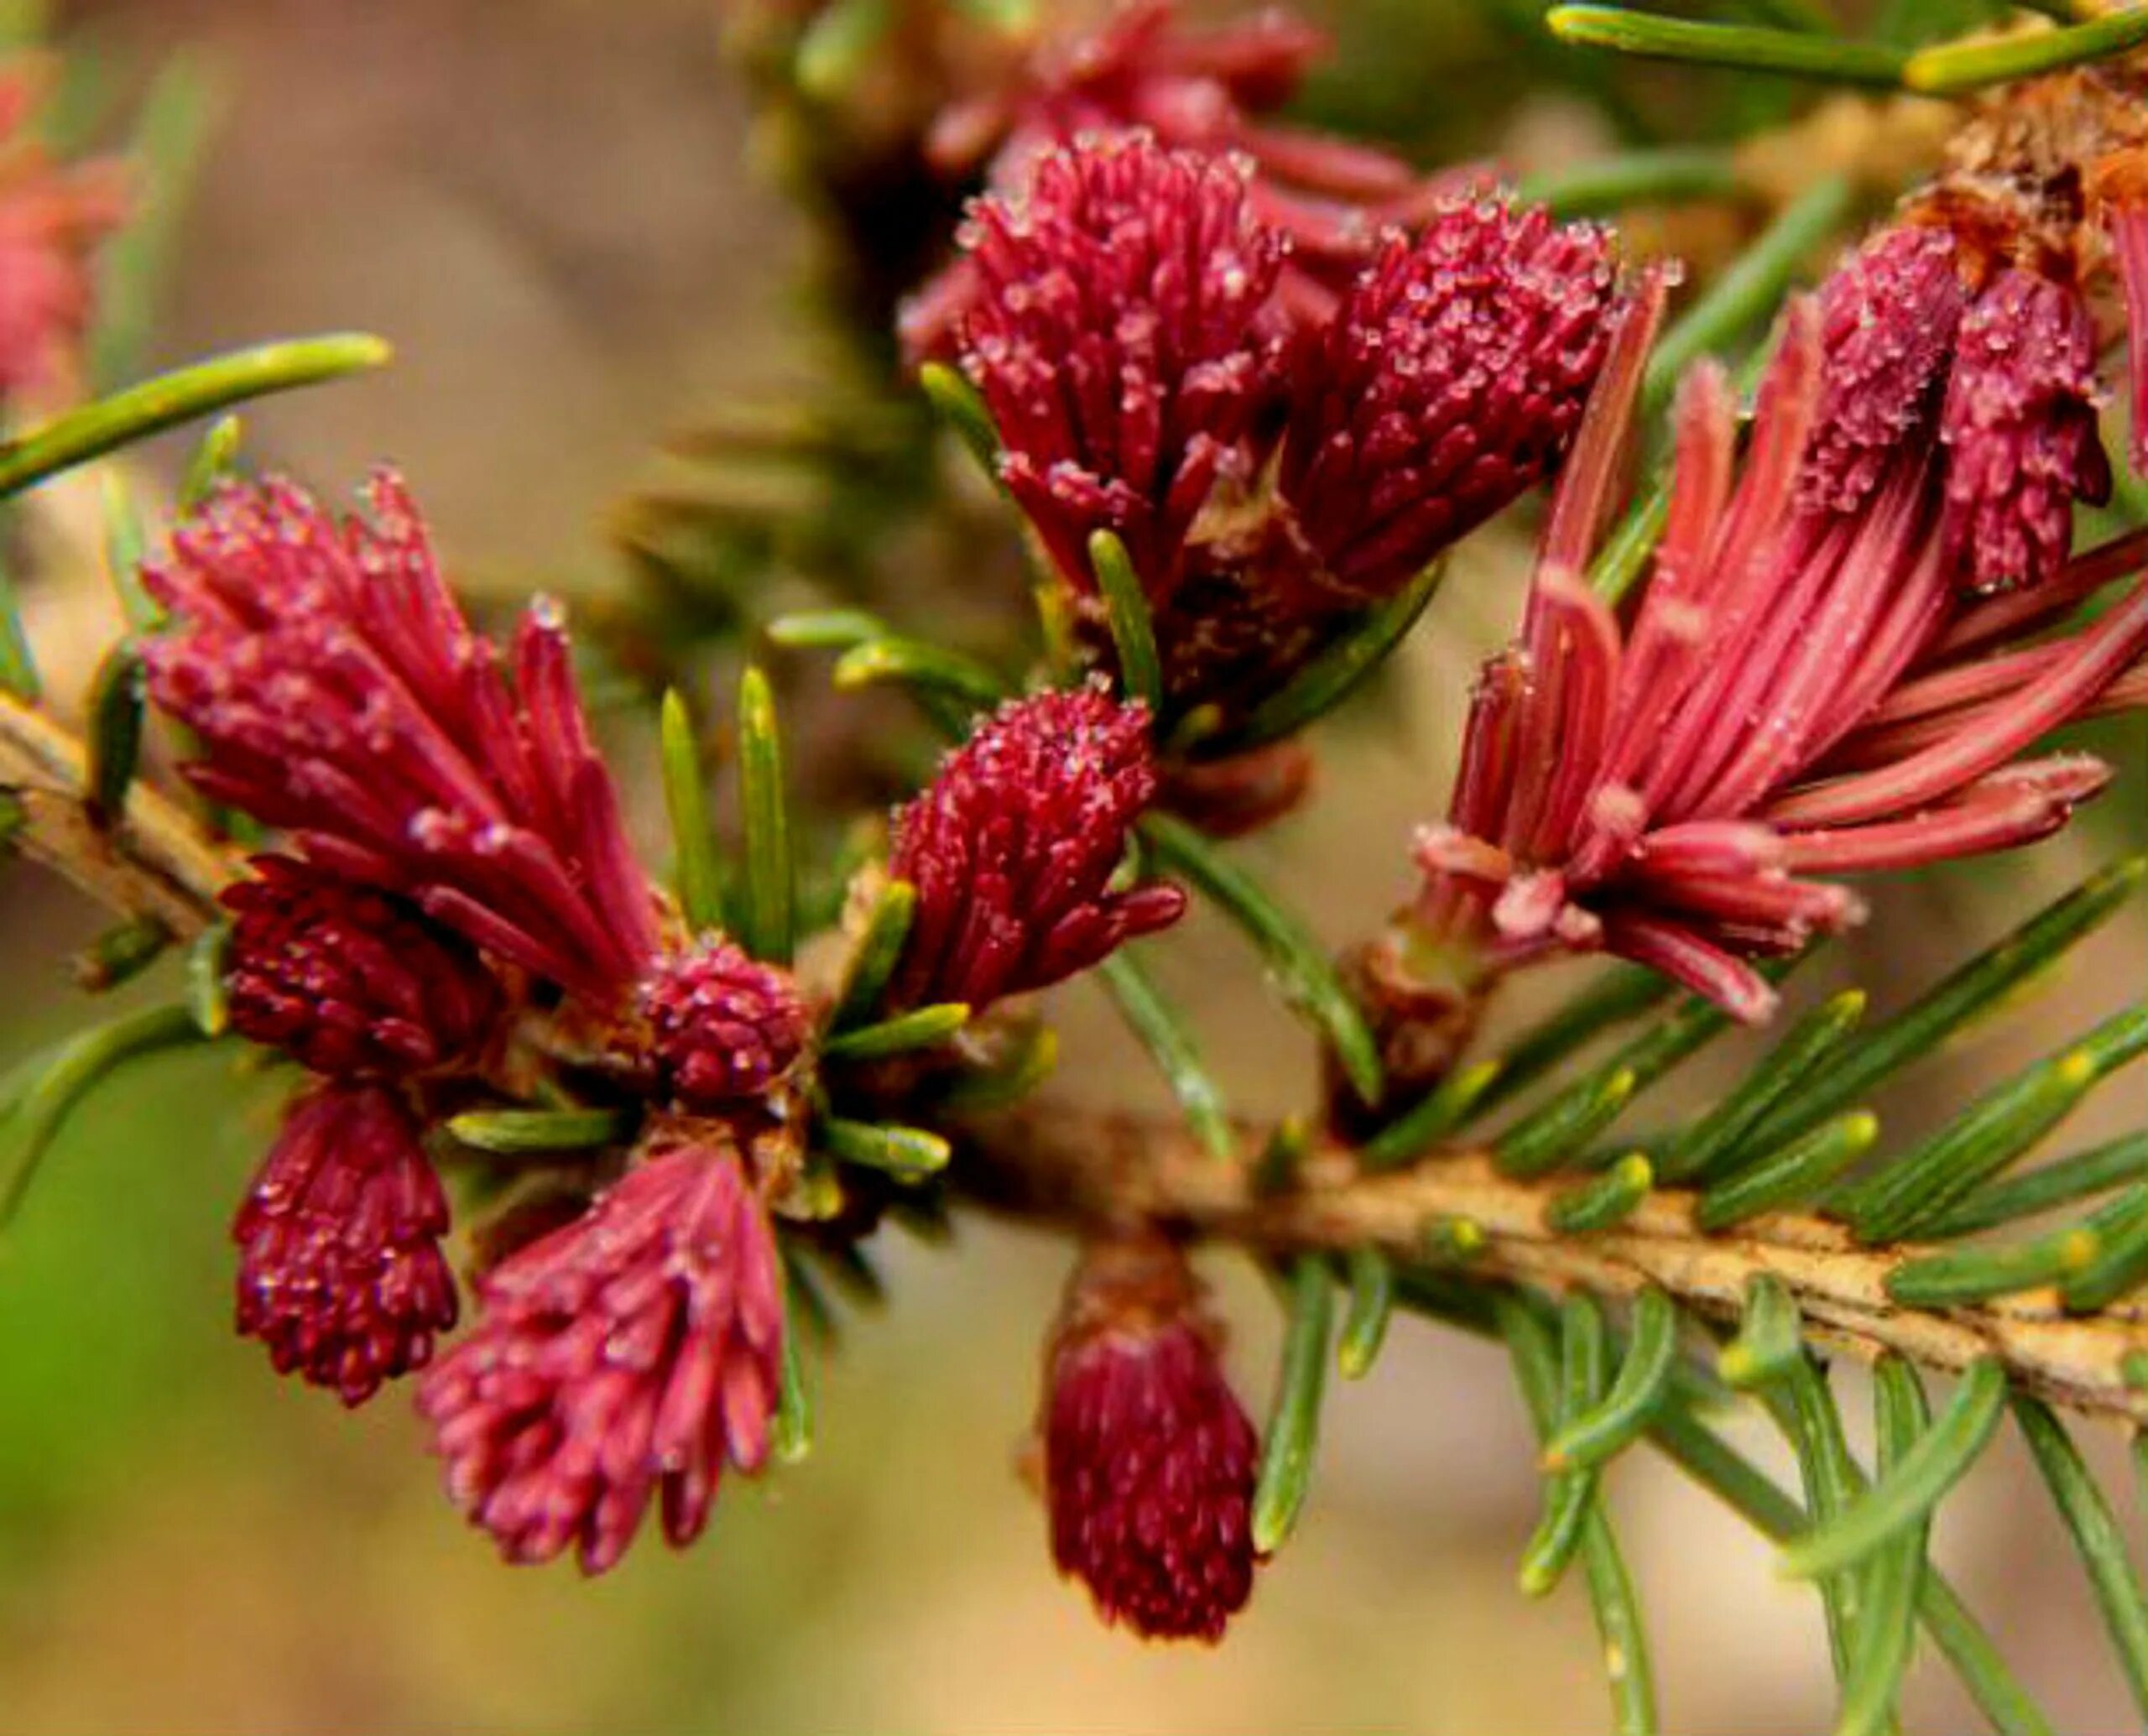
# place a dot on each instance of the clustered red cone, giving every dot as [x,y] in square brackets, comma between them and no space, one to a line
[1973,321]
[339,694]
[1124,340]
[52,219]
[1801,692]
[340,1274]
[2020,429]
[1274,470]
[724,1029]
[350,981]
[623,1360]
[1013,846]
[1888,317]
[1450,381]
[1924,343]
[460,867]
[1149,1459]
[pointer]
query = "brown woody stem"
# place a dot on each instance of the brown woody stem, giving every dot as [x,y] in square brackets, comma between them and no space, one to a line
[1054,1162]
[154,861]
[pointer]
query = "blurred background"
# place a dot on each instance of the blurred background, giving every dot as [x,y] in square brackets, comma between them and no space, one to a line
[554,210]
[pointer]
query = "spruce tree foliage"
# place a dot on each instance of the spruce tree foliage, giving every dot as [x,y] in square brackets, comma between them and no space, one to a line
[1207,395]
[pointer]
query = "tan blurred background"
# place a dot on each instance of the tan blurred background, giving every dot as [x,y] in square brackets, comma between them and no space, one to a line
[550,206]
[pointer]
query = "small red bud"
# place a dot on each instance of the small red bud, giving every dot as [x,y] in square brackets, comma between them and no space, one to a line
[1149,1459]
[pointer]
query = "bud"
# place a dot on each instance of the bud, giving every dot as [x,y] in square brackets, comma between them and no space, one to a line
[1013,846]
[350,983]
[1149,1459]
[622,1358]
[724,1029]
[1450,381]
[2019,425]
[339,694]
[340,1274]
[1118,339]
[1129,338]
[1888,317]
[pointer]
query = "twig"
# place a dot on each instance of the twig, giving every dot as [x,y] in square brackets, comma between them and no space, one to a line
[153,861]
[1056,1162]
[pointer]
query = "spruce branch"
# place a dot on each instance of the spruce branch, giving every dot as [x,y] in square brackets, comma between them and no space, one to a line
[151,860]
[1079,1168]
[1045,1159]
[1053,1161]
[1682,782]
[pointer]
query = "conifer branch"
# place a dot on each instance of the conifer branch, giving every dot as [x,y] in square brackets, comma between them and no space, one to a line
[152,861]
[1084,1170]
[1056,1163]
